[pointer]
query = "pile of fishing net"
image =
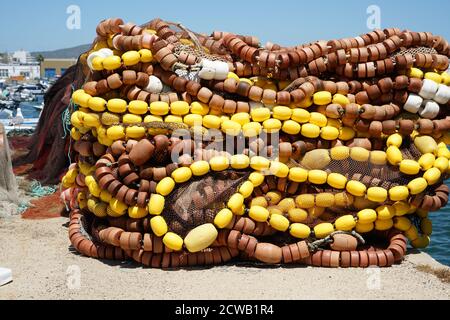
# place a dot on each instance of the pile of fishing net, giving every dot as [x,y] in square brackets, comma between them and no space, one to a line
[9,199]
[45,154]
[195,150]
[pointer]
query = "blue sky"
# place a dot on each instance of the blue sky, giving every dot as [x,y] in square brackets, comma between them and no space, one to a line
[41,25]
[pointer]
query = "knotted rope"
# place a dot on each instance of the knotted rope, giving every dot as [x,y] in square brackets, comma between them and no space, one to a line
[314,246]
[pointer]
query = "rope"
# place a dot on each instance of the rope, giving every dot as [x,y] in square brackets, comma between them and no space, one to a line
[190,34]
[60,191]
[70,151]
[23,206]
[37,190]
[65,119]
[182,66]
[294,84]
[66,122]
[314,246]
[83,231]
[65,116]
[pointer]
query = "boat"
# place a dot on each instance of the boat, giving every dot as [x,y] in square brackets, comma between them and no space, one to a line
[8,104]
[27,124]
[39,106]
[26,92]
[13,118]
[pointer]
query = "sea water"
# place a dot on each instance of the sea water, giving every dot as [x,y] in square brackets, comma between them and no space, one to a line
[28,110]
[439,247]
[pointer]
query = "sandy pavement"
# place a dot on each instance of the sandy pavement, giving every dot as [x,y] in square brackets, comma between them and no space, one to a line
[45,267]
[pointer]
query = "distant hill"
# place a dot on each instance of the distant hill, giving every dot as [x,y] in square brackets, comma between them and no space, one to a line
[68,53]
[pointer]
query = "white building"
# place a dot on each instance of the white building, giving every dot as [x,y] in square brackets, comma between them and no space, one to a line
[28,71]
[23,57]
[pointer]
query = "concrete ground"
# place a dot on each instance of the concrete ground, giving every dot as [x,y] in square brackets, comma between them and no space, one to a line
[44,266]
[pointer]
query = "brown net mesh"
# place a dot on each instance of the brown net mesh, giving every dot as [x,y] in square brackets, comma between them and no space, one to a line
[198,201]
[179,48]
[414,51]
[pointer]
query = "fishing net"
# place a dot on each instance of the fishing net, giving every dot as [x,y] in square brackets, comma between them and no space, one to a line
[48,148]
[197,202]
[8,185]
[340,147]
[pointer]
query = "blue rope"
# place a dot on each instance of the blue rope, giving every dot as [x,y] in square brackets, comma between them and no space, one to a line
[66,122]
[65,116]
[37,190]
[23,206]
[69,151]
[71,103]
